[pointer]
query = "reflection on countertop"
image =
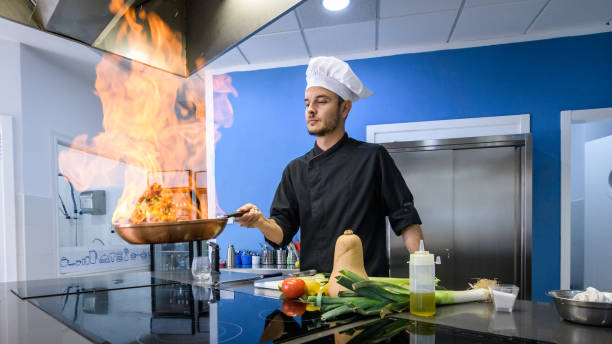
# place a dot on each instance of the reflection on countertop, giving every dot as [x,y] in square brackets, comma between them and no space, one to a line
[263,269]
[182,310]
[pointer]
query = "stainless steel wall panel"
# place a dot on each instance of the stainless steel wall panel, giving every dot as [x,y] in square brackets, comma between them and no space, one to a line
[429,176]
[474,197]
[484,206]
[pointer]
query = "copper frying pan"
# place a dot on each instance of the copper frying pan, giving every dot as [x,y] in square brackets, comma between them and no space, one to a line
[176,231]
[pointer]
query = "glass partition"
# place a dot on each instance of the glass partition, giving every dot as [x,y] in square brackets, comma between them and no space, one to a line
[87,240]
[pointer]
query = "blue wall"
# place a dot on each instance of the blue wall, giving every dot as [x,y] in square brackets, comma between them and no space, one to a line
[541,78]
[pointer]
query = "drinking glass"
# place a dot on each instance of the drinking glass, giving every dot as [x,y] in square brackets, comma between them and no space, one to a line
[201,269]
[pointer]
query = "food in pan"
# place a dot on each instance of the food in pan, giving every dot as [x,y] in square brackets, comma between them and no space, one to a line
[155,205]
[593,295]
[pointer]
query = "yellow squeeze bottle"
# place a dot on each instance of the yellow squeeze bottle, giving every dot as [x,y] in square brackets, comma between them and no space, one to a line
[422,283]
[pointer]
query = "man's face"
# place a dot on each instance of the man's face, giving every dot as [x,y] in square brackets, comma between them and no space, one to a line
[323,113]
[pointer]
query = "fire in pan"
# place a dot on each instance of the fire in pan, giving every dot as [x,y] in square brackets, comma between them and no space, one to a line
[175,231]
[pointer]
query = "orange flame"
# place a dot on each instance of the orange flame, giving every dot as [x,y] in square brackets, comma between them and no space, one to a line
[224,113]
[153,121]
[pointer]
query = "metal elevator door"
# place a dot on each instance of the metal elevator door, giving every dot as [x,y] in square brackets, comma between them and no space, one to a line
[469,201]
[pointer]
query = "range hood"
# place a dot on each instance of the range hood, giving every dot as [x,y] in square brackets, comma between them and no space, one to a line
[208,27]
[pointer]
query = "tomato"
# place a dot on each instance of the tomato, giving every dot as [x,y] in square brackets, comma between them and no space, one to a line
[293,308]
[293,287]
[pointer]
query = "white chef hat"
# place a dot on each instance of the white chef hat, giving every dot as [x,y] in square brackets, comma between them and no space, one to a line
[335,75]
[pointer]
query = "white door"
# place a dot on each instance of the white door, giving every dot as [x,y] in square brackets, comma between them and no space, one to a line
[597,210]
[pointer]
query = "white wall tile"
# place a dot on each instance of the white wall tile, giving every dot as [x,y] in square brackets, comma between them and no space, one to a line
[274,47]
[496,21]
[10,96]
[230,58]
[342,39]
[312,13]
[567,14]
[398,8]
[288,22]
[427,28]
[40,238]
[475,3]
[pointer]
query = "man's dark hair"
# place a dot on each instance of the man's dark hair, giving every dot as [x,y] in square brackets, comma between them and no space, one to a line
[340,102]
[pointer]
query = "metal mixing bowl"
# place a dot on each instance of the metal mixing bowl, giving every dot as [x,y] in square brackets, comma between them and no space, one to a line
[582,312]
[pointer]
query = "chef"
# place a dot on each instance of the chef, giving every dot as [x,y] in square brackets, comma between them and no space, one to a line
[341,183]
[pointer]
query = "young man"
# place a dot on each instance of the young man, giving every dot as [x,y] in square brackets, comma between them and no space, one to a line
[340,184]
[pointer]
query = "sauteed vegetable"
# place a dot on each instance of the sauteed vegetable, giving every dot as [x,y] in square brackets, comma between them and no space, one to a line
[155,205]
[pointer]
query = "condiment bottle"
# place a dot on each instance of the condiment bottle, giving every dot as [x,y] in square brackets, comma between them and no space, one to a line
[422,283]
[231,257]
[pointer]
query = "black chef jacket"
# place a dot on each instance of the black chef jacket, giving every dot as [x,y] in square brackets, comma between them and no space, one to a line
[352,185]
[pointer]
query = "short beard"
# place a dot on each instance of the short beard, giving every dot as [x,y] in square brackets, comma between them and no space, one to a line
[331,126]
[328,127]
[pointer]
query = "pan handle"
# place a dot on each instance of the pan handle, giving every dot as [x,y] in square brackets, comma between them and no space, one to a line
[235,214]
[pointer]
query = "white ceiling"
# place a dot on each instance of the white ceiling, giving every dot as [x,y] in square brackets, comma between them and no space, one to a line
[369,28]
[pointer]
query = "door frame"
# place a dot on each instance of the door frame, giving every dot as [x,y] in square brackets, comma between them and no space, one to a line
[569,117]
[8,228]
[449,129]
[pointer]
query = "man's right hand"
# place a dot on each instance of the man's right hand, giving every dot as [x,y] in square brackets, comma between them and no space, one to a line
[254,218]
[250,219]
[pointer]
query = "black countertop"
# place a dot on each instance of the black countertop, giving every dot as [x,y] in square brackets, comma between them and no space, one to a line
[74,285]
[185,312]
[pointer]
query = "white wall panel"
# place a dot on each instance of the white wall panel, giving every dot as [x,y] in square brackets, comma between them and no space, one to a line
[474,3]
[313,14]
[398,8]
[428,28]
[496,21]
[565,14]
[288,22]
[10,95]
[341,39]
[230,58]
[274,47]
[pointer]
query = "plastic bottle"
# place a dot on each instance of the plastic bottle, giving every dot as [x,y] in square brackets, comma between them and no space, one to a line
[422,283]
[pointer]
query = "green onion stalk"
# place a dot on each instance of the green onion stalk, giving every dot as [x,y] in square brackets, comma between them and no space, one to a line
[382,295]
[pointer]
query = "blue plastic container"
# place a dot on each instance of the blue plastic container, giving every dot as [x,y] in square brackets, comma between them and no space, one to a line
[246,259]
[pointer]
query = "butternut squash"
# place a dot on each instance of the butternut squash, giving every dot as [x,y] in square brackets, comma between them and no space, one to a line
[348,255]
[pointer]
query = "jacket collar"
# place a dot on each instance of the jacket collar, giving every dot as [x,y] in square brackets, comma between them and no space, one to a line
[318,152]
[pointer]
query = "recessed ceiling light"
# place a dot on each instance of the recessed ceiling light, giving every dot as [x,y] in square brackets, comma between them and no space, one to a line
[335,5]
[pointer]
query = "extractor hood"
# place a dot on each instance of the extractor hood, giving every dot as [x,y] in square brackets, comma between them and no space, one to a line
[207,28]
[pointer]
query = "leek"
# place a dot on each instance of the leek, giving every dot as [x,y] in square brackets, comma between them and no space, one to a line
[384,295]
[447,297]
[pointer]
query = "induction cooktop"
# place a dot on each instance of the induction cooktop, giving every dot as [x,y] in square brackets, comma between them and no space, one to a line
[84,284]
[177,313]
[183,313]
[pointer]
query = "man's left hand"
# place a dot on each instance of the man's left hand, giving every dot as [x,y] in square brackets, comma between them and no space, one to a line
[412,236]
